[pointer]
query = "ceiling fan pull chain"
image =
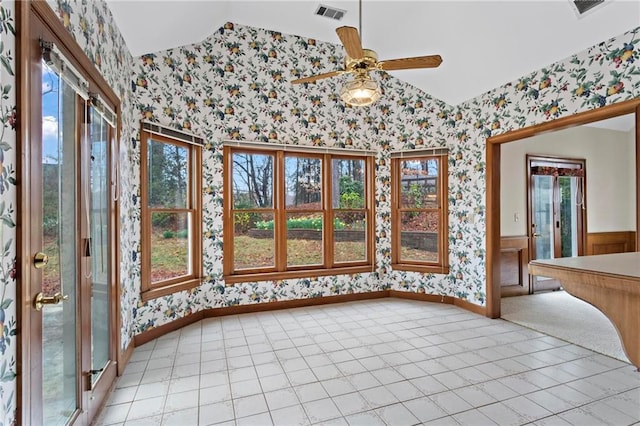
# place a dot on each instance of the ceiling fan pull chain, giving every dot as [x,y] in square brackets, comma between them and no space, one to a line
[360,18]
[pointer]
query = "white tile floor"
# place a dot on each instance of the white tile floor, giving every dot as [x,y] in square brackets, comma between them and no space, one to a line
[387,361]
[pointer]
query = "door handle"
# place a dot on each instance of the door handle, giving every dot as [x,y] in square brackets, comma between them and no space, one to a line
[535,235]
[41,300]
[40,260]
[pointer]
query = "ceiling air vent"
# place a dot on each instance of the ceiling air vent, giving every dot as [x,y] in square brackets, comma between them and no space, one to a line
[583,6]
[330,12]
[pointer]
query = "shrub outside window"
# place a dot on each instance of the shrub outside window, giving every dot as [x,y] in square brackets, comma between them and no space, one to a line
[171,215]
[419,213]
[296,214]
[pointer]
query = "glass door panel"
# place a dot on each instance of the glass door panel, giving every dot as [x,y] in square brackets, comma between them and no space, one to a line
[99,239]
[556,203]
[542,214]
[570,203]
[542,226]
[60,240]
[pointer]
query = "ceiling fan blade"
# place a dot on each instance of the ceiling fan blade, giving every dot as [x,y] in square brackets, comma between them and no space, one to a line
[411,63]
[351,41]
[313,78]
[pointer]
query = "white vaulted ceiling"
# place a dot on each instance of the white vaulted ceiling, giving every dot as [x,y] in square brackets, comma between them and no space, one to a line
[484,44]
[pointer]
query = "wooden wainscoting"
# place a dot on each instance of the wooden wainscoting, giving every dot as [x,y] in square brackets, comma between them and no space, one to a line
[611,242]
[514,257]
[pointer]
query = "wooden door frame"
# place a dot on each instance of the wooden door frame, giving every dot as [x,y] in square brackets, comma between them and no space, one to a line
[30,16]
[493,144]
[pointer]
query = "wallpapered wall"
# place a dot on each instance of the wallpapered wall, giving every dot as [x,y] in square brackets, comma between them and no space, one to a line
[8,202]
[165,91]
[235,85]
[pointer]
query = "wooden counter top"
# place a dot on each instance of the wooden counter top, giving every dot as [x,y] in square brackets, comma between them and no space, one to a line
[610,282]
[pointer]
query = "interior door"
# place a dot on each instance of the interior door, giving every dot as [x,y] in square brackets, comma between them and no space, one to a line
[69,360]
[556,212]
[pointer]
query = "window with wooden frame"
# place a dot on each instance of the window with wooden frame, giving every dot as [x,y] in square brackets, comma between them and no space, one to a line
[291,214]
[170,195]
[419,212]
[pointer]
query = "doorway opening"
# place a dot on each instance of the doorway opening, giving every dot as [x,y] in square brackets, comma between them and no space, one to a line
[495,210]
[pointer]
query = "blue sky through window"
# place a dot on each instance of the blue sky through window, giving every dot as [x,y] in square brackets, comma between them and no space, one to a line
[51,114]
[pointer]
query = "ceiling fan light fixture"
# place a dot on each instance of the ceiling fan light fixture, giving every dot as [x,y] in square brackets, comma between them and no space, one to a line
[361,91]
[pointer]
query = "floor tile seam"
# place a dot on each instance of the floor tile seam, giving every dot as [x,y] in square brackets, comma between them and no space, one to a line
[129,412]
[591,399]
[540,388]
[478,407]
[530,369]
[578,406]
[577,378]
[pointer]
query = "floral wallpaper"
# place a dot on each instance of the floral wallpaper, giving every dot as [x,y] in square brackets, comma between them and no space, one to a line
[236,85]
[8,201]
[601,75]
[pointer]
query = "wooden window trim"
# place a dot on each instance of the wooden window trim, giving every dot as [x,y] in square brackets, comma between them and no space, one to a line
[150,290]
[281,271]
[442,266]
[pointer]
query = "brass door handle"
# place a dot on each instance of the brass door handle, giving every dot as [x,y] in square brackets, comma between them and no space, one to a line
[41,299]
[536,235]
[40,260]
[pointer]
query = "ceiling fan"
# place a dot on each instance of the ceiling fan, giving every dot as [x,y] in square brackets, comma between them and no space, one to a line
[363,90]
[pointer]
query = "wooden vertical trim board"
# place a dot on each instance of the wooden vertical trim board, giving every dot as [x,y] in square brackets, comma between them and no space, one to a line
[637,145]
[492,287]
[23,172]
[371,210]
[444,231]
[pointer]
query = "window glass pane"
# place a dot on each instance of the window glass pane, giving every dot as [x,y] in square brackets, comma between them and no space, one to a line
[252,180]
[349,233]
[303,182]
[169,245]
[347,184]
[168,169]
[253,240]
[304,239]
[419,183]
[99,232]
[419,236]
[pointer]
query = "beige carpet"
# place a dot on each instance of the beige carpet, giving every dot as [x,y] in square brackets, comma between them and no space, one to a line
[561,315]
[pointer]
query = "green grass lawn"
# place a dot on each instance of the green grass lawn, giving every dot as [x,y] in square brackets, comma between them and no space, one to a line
[418,255]
[169,257]
[259,252]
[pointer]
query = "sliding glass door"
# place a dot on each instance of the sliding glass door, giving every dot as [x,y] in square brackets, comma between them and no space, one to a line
[70,242]
[556,211]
